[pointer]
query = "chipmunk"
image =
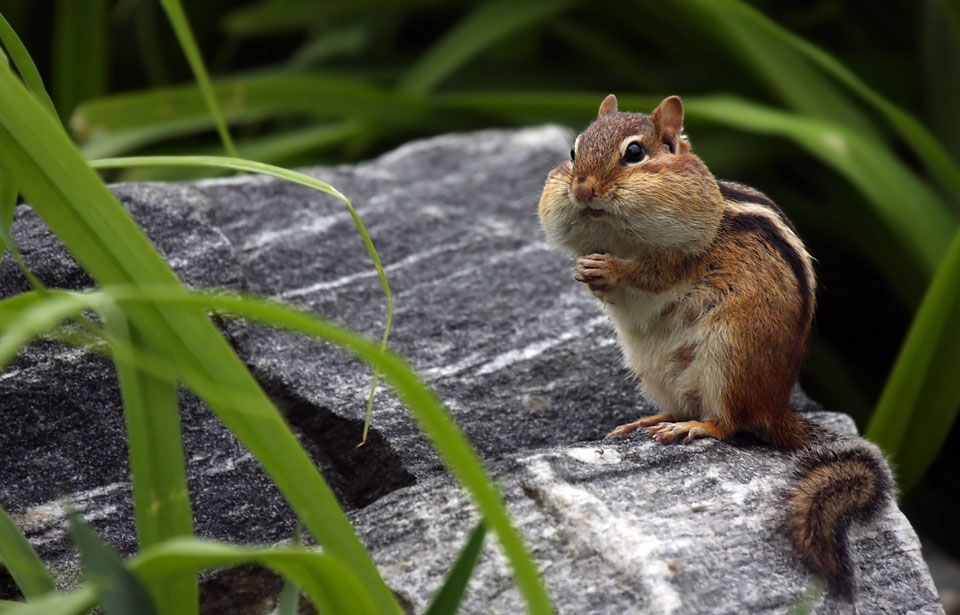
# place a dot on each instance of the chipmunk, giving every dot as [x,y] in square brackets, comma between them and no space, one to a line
[712,295]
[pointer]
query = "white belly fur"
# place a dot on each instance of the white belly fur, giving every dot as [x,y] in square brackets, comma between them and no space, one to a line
[650,339]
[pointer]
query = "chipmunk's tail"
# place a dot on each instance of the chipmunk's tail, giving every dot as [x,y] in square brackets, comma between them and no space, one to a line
[839,480]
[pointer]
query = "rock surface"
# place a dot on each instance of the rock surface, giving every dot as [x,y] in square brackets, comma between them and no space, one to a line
[521,355]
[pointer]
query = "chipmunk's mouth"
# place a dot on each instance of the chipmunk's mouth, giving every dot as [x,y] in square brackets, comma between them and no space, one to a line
[592,212]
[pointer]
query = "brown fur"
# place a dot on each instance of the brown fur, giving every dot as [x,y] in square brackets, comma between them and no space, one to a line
[684,357]
[734,276]
[835,486]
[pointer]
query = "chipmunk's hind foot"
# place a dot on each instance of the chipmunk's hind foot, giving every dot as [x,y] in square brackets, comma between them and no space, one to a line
[668,433]
[646,421]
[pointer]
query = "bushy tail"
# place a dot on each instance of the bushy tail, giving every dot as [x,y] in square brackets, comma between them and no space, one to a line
[837,482]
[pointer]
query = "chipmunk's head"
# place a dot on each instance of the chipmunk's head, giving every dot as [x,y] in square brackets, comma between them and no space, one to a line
[632,187]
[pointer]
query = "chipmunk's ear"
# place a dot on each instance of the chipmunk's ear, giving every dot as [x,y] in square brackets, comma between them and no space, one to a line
[609,105]
[668,118]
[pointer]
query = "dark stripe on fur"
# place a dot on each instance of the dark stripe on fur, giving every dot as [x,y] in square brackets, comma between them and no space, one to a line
[766,227]
[852,486]
[744,194]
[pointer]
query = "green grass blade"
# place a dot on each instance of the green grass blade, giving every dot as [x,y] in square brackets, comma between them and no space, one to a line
[21,561]
[271,17]
[128,140]
[453,446]
[447,599]
[291,148]
[920,400]
[299,178]
[25,316]
[77,603]
[237,164]
[780,67]
[330,583]
[160,496]
[780,56]
[119,591]
[487,24]
[67,194]
[80,52]
[148,42]
[8,205]
[344,41]
[925,227]
[190,49]
[455,449]
[289,603]
[24,64]
[604,50]
[139,118]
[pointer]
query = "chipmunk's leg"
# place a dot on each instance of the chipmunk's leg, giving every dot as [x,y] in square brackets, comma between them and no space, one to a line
[668,433]
[646,421]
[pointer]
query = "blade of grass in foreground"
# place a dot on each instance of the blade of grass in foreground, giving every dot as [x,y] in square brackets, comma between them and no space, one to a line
[293,176]
[287,148]
[66,193]
[75,204]
[21,561]
[289,603]
[448,597]
[119,591]
[329,583]
[920,400]
[160,496]
[453,446]
[54,603]
[189,45]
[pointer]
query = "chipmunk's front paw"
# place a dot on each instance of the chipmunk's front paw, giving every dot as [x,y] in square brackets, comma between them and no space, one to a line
[598,272]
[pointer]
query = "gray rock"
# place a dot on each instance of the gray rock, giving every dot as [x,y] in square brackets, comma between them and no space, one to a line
[522,356]
[636,527]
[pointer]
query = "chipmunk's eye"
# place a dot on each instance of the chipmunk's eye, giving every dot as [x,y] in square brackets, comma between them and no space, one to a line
[634,153]
[573,154]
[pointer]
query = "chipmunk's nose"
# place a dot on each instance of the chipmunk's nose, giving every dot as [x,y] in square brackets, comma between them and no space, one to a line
[584,189]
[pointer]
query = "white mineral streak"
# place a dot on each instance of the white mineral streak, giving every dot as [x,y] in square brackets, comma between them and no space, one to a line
[537,348]
[616,539]
[371,272]
[481,363]
[595,455]
[50,517]
[269,238]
